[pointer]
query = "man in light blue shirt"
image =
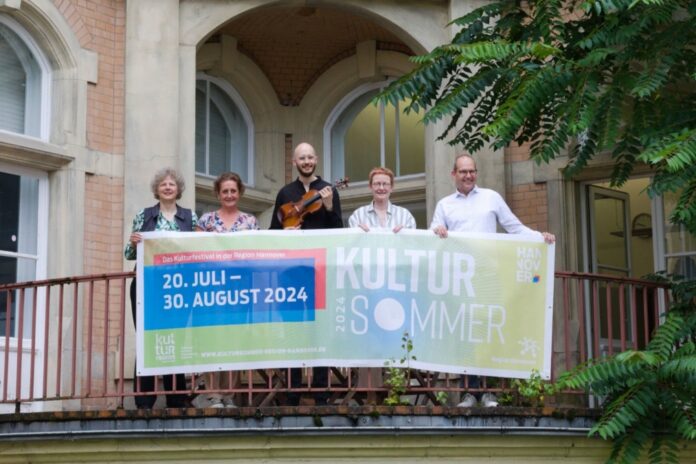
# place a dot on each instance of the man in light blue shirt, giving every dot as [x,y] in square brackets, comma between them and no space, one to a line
[475,209]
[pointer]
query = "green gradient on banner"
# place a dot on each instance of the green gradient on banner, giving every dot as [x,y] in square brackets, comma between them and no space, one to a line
[472,303]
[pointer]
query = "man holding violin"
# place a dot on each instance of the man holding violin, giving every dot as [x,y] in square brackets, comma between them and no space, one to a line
[308,202]
[303,195]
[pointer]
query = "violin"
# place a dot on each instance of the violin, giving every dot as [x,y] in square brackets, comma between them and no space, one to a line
[292,213]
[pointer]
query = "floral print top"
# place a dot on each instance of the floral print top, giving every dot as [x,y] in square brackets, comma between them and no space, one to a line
[211,222]
[163,224]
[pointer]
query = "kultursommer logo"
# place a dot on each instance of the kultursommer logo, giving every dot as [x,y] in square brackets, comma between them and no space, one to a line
[165,347]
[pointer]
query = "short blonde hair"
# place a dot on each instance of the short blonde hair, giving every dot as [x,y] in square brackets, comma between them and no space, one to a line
[163,174]
[380,170]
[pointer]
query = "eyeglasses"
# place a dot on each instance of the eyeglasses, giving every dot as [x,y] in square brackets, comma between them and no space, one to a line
[381,184]
[469,172]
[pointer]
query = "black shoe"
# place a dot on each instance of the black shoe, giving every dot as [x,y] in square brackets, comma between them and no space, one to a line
[144,402]
[177,401]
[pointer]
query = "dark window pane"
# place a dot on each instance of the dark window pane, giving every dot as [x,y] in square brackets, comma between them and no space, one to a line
[8,275]
[9,212]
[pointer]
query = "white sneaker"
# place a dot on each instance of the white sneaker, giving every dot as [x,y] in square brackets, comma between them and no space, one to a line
[469,401]
[228,401]
[209,400]
[489,400]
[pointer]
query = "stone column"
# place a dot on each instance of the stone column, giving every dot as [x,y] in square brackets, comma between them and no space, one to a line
[489,162]
[438,165]
[152,101]
[187,121]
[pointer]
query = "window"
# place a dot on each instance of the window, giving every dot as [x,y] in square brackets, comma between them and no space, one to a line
[679,244]
[224,132]
[23,216]
[24,88]
[363,136]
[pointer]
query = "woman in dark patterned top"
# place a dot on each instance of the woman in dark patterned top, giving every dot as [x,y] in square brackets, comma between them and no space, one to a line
[167,186]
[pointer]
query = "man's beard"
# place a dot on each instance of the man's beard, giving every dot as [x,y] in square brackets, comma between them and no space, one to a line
[303,173]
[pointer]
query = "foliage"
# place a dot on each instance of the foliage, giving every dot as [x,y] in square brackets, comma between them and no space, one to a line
[441,397]
[398,376]
[588,78]
[584,77]
[534,389]
[505,398]
[649,395]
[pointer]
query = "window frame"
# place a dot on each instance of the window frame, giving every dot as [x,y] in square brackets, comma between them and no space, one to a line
[338,111]
[43,115]
[659,224]
[237,99]
[41,237]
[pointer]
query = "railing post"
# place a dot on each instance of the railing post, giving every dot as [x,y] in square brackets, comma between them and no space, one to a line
[20,340]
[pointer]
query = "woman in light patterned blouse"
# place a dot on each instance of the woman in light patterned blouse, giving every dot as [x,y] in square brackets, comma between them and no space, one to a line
[229,188]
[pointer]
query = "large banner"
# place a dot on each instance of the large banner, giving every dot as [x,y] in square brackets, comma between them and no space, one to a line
[471,303]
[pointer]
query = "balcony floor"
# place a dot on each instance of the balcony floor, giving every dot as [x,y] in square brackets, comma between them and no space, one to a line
[300,420]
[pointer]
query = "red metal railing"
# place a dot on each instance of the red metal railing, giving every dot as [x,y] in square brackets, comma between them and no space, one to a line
[69,339]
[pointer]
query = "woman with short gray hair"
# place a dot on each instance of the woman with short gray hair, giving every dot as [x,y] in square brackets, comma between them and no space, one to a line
[167,185]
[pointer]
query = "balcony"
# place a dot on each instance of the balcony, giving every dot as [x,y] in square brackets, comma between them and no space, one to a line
[70,375]
[76,352]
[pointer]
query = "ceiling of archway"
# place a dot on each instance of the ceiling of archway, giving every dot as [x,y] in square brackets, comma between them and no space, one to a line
[293,46]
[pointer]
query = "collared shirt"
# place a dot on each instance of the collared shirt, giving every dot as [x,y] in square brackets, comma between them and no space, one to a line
[396,216]
[321,219]
[479,211]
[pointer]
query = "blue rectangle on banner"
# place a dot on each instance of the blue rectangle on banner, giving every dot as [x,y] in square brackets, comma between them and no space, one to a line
[229,292]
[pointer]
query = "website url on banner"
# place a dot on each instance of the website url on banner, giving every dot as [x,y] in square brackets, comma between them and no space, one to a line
[217,354]
[513,360]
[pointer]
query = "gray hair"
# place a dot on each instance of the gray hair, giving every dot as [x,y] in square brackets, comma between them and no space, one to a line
[163,174]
